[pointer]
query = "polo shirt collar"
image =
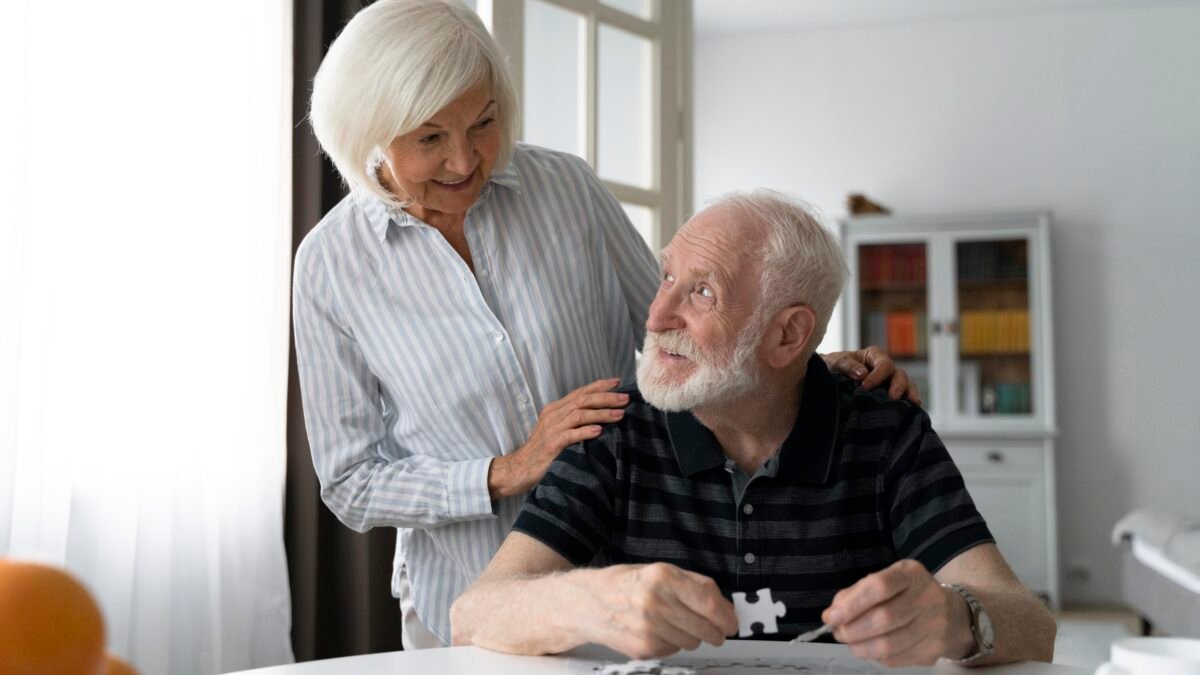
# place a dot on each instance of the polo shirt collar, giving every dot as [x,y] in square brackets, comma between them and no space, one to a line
[806,455]
[380,216]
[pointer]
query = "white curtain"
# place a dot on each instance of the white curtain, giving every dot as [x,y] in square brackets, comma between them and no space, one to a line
[144,266]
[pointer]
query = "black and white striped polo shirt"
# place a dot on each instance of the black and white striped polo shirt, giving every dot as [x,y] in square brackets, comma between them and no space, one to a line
[861,482]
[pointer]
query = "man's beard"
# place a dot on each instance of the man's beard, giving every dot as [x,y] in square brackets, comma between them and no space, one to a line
[710,383]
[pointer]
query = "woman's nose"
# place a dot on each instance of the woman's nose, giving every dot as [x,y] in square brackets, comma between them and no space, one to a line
[461,157]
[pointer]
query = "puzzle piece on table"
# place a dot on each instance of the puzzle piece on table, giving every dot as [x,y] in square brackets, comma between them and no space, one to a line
[677,670]
[764,612]
[652,667]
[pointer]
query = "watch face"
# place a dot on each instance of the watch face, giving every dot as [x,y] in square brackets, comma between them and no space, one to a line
[986,632]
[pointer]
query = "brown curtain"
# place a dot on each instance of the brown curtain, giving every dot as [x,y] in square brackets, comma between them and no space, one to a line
[342,602]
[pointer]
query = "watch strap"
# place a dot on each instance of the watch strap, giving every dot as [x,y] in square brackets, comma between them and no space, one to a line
[974,610]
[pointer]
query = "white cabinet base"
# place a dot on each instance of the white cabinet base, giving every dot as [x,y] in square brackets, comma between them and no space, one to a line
[1012,483]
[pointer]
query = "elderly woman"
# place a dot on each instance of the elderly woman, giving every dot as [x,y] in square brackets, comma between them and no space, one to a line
[465,313]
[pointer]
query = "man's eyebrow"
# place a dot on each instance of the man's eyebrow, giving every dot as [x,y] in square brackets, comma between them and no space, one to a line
[707,275]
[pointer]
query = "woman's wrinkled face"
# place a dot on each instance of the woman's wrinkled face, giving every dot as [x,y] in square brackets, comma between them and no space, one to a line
[443,165]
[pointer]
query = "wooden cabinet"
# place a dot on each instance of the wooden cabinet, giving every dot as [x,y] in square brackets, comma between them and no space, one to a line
[963,303]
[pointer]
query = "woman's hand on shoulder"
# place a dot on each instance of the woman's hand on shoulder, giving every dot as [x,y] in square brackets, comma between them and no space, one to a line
[571,419]
[872,367]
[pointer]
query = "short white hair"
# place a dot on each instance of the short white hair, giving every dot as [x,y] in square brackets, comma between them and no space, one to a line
[802,262]
[393,67]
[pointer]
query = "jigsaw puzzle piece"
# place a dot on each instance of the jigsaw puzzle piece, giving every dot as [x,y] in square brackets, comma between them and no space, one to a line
[765,612]
[652,667]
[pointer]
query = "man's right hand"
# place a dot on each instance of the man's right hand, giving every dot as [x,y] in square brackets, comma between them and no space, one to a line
[573,418]
[650,611]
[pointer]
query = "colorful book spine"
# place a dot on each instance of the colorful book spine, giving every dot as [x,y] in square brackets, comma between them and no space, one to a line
[994,332]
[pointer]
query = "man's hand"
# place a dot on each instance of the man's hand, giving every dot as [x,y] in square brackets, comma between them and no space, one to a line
[649,611]
[873,367]
[901,616]
[573,418]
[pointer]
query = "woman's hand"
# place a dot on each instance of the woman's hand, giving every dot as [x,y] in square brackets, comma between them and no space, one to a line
[573,418]
[872,367]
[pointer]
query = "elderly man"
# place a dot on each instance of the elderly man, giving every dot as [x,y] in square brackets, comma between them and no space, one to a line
[744,464]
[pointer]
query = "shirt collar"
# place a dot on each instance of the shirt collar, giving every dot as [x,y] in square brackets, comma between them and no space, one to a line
[380,215]
[806,455]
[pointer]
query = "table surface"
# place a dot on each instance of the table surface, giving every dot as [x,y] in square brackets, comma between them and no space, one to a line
[471,660]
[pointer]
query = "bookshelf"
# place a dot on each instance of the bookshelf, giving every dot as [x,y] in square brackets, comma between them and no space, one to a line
[963,303]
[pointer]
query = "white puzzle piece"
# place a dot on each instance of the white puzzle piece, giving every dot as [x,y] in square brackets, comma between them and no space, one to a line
[763,612]
[652,667]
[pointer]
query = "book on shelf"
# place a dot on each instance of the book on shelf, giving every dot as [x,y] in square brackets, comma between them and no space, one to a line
[896,265]
[1013,398]
[992,260]
[994,331]
[900,333]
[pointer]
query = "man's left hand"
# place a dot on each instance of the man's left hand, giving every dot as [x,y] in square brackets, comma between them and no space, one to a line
[872,367]
[900,616]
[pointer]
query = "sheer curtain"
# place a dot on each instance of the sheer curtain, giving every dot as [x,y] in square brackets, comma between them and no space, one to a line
[145,236]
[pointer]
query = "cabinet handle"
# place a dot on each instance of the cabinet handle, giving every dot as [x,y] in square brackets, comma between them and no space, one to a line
[935,327]
[995,457]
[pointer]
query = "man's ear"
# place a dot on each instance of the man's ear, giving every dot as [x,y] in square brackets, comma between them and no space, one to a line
[792,328]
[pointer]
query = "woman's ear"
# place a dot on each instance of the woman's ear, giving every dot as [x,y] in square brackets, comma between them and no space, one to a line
[793,328]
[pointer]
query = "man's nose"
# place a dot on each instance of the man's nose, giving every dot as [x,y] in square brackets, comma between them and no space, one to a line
[664,313]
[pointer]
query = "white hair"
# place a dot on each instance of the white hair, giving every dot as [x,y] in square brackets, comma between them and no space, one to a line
[393,67]
[802,262]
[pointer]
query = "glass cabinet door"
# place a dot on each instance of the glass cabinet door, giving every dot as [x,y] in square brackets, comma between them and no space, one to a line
[893,306]
[994,331]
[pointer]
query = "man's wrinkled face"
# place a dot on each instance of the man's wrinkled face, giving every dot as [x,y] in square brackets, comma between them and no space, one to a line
[701,349]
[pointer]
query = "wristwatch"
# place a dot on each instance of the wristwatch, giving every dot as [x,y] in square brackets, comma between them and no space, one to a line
[981,625]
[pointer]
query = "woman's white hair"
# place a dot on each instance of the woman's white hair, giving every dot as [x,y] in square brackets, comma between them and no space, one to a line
[802,262]
[394,66]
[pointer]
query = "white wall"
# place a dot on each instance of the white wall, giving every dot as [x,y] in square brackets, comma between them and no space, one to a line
[1094,115]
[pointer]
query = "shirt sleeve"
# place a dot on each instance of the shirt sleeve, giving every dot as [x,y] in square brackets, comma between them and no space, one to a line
[571,509]
[366,480]
[933,518]
[634,265]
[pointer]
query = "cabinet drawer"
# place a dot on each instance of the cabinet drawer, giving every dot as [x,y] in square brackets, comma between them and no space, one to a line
[997,456]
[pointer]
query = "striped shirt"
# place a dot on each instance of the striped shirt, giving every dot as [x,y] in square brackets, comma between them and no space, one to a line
[861,482]
[415,373]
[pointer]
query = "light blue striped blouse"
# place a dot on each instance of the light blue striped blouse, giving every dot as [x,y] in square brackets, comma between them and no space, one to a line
[415,373]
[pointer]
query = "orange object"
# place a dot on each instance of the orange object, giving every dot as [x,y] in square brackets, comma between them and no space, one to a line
[902,333]
[118,667]
[49,623]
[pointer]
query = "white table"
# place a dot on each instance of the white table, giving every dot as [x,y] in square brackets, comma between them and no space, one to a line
[473,660]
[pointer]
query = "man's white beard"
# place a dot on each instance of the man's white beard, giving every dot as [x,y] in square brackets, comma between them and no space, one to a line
[708,384]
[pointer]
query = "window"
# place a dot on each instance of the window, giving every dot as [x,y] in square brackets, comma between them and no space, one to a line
[608,81]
